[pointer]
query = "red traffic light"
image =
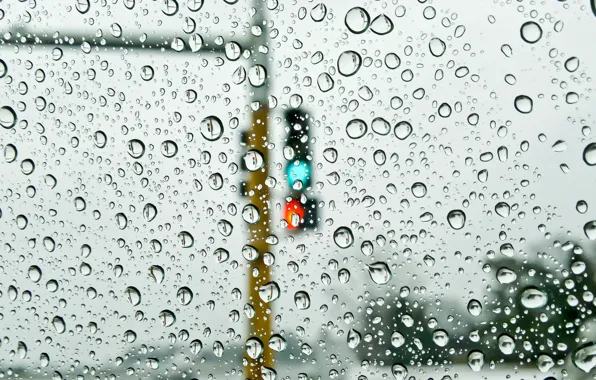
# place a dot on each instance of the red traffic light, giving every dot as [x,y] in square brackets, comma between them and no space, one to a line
[294,214]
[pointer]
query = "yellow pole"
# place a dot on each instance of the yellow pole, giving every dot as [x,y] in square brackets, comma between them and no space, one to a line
[260,325]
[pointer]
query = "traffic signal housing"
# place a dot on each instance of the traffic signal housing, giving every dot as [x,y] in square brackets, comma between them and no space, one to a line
[300,211]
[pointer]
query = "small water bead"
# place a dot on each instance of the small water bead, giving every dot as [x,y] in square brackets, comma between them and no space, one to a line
[437,47]
[590,230]
[531,32]
[343,237]
[349,63]
[167,318]
[211,128]
[8,117]
[354,338]
[399,371]
[318,12]
[356,129]
[302,300]
[589,154]
[169,148]
[10,153]
[572,64]
[357,20]
[27,166]
[533,298]
[456,219]
[133,295]
[381,25]
[269,292]
[135,148]
[583,356]
[402,130]
[523,104]
[185,239]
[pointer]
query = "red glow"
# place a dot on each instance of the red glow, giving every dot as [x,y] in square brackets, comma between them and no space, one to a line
[293,207]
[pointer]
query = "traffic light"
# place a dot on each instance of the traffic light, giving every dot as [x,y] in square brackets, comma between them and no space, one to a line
[300,211]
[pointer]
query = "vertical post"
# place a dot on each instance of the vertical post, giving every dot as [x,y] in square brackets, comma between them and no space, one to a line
[260,325]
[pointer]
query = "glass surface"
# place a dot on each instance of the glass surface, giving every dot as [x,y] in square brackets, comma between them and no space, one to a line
[213,189]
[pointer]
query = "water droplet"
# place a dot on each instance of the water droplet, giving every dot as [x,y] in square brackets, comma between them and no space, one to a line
[8,118]
[506,344]
[254,347]
[440,337]
[147,73]
[184,295]
[251,214]
[169,148]
[254,160]
[135,148]
[475,360]
[397,339]
[502,209]
[302,300]
[277,343]
[506,275]
[474,308]
[34,273]
[589,154]
[257,75]
[211,128]
[121,220]
[531,32]
[133,295]
[399,371]
[325,82]
[402,130]
[379,272]
[196,346]
[157,273]
[381,25]
[343,237]
[59,325]
[590,230]
[584,357]
[418,189]
[357,20]
[349,63]
[185,239]
[533,298]
[269,292]
[22,350]
[456,219]
[523,104]
[10,153]
[437,47]
[167,318]
[356,128]
[44,359]
[354,338]
[27,166]
[3,68]
[444,110]
[330,154]
[130,336]
[572,64]
[152,363]
[318,12]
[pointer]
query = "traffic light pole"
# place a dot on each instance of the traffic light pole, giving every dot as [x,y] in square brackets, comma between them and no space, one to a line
[257,138]
[258,194]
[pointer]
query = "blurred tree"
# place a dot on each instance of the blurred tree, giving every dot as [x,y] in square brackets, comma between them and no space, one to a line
[536,306]
[539,303]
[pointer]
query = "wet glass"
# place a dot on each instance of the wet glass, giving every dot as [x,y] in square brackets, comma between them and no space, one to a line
[272,190]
